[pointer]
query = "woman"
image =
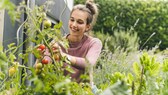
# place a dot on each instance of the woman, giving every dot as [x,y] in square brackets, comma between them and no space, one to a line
[83,49]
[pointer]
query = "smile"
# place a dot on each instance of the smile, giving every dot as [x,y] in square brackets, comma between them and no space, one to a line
[74,30]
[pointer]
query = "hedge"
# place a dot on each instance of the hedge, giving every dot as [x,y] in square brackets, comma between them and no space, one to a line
[147,17]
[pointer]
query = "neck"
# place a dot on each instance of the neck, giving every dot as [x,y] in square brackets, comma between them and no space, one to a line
[74,38]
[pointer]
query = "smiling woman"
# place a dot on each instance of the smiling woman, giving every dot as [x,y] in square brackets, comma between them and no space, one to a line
[83,49]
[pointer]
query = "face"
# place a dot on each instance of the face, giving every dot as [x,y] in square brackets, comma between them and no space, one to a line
[77,23]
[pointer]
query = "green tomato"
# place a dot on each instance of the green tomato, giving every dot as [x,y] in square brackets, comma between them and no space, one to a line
[39,65]
[37,71]
[47,23]
[12,71]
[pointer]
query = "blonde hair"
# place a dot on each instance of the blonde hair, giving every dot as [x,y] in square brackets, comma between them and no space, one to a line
[91,8]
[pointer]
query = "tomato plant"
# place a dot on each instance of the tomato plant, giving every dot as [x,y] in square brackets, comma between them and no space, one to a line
[48,79]
[19,77]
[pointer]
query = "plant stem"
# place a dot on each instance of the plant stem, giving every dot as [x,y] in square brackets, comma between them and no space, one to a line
[141,80]
[3,81]
[24,67]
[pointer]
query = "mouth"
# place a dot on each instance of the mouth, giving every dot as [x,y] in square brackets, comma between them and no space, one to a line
[74,30]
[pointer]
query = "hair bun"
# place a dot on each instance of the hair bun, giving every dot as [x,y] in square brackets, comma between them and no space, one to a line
[91,6]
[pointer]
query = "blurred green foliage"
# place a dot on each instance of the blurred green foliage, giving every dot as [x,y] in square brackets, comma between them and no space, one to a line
[127,41]
[10,9]
[146,17]
[133,73]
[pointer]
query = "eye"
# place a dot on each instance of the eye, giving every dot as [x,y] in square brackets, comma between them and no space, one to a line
[71,19]
[80,21]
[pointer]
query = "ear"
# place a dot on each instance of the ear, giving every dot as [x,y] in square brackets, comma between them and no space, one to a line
[88,27]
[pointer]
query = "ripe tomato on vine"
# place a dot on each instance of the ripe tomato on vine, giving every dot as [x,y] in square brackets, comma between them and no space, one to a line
[42,47]
[44,61]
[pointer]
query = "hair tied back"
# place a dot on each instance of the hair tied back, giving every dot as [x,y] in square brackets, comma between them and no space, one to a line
[91,6]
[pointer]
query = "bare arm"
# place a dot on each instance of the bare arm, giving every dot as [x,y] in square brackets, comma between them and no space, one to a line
[91,56]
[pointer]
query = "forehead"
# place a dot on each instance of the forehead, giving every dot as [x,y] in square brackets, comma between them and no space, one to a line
[79,14]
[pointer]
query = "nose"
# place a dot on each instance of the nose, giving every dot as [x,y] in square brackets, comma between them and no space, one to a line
[74,24]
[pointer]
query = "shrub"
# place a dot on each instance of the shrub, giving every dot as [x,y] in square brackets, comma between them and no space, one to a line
[126,40]
[146,17]
[124,74]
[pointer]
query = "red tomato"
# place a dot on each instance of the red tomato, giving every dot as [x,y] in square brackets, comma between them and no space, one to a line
[42,47]
[45,61]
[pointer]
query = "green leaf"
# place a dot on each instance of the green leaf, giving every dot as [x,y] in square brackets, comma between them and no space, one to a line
[2,75]
[37,53]
[130,78]
[137,69]
[68,68]
[12,57]
[58,26]
[119,88]
[3,56]
[21,55]
[1,48]
[155,69]
[165,65]
[11,45]
[60,84]
[38,84]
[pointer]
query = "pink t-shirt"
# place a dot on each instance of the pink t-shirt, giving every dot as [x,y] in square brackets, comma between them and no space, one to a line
[88,48]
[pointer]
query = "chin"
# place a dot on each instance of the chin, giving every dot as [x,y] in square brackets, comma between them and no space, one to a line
[74,34]
[73,31]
